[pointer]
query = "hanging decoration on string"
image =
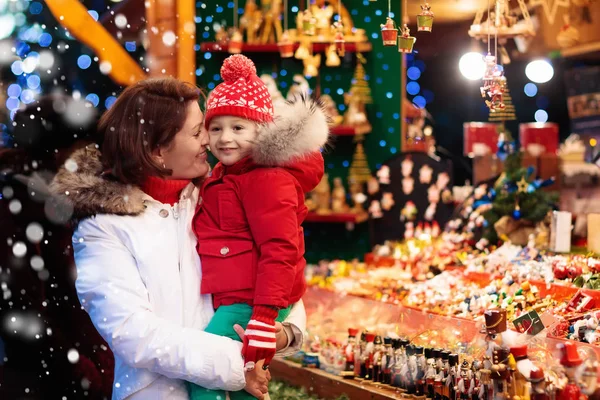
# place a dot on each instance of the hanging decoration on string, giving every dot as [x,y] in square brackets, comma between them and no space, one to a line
[406,42]
[389,31]
[338,33]
[425,18]
[506,23]
[494,82]
[285,45]
[309,23]
[237,39]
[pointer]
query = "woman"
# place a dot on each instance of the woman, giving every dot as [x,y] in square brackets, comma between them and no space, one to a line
[138,274]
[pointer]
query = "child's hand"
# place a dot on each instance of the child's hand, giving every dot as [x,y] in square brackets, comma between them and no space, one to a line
[257,380]
[260,339]
[281,335]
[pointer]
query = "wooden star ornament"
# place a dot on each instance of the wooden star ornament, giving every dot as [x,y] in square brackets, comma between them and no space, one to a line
[550,7]
[522,185]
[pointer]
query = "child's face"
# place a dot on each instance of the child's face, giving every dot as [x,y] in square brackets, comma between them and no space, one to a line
[231,138]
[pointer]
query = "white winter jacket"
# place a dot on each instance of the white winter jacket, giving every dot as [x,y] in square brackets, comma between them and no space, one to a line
[138,277]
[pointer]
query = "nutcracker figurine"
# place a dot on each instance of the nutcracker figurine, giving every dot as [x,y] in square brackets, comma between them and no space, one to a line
[454,375]
[387,361]
[538,384]
[485,385]
[439,369]
[360,364]
[397,369]
[349,352]
[430,373]
[410,371]
[500,373]
[475,380]
[367,355]
[570,360]
[378,352]
[420,375]
[589,378]
[464,382]
[523,368]
[445,374]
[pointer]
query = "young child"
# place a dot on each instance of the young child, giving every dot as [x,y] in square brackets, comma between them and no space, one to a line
[250,210]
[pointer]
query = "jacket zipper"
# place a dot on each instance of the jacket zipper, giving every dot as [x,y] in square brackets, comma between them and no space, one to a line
[175,209]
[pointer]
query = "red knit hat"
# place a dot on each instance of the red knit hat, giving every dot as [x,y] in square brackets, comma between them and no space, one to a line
[242,93]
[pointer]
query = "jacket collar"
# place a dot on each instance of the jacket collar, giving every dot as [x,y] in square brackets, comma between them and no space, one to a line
[82,185]
[300,127]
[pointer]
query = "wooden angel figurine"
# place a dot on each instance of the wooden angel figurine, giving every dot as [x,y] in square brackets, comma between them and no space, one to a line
[338,196]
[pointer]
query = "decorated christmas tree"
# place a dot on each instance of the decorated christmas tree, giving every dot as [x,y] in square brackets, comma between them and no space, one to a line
[517,201]
[359,168]
[360,86]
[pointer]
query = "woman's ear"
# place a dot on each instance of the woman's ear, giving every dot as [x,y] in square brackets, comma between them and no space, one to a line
[158,156]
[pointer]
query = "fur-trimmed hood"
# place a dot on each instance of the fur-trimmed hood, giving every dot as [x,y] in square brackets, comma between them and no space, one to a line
[80,183]
[299,129]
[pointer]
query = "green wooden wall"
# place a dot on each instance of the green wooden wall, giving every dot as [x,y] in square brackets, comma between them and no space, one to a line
[384,72]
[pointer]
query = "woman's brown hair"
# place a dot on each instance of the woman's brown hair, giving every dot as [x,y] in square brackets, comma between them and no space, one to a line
[146,116]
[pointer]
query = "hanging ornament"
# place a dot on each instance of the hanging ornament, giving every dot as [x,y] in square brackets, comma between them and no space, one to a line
[286,46]
[406,42]
[311,65]
[389,33]
[235,43]
[309,23]
[496,93]
[517,212]
[425,18]
[568,35]
[338,38]
[303,50]
[332,59]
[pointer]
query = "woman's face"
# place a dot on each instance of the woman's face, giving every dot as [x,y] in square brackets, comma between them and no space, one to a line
[186,154]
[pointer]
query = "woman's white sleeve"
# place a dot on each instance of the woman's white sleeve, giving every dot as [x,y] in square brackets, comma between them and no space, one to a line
[111,290]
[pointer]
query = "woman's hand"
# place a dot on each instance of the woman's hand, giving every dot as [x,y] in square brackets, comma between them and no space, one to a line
[282,337]
[257,380]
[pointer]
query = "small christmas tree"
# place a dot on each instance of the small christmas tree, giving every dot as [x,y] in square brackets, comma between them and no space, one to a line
[360,87]
[517,199]
[359,168]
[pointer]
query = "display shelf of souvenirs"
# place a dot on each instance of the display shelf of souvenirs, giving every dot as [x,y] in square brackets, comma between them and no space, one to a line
[349,130]
[466,292]
[317,47]
[325,385]
[574,168]
[421,355]
[330,204]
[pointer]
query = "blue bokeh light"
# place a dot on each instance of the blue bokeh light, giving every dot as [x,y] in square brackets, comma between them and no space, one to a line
[84,61]
[420,101]
[108,103]
[389,95]
[413,73]
[14,90]
[27,96]
[93,98]
[12,103]
[17,67]
[530,89]
[35,8]
[541,116]
[94,14]
[45,39]
[131,46]
[33,82]
[413,88]
[382,143]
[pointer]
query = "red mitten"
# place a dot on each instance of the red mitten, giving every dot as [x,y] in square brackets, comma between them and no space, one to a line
[260,339]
